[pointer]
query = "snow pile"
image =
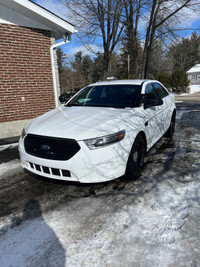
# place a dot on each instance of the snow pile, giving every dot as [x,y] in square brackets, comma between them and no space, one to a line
[194,89]
[8,168]
[11,167]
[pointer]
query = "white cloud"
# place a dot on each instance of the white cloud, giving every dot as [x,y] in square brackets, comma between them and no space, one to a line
[186,16]
[90,50]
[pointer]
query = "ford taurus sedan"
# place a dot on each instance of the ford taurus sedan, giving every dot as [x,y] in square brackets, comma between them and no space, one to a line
[100,134]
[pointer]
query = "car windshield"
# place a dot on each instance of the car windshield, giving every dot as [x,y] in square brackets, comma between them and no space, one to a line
[116,96]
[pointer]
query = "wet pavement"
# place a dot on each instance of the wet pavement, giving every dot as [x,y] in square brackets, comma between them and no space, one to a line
[160,209]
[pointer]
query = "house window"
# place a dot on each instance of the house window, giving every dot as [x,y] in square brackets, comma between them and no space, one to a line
[194,76]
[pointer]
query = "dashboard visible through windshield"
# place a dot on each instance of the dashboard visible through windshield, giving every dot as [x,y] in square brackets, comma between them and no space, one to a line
[116,96]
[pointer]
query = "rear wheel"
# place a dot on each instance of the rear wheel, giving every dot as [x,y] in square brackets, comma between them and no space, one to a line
[170,131]
[136,158]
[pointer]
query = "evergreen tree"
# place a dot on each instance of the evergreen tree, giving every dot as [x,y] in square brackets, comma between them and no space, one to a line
[179,81]
[87,67]
[131,53]
[186,54]
[61,58]
[98,69]
[165,79]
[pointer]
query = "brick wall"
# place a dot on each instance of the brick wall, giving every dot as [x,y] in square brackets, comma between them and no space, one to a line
[26,87]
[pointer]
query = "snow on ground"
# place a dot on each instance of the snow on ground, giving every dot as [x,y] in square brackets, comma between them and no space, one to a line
[130,235]
[194,89]
[134,227]
[9,168]
[10,146]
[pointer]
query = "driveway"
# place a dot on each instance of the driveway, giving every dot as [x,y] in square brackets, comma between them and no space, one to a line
[153,221]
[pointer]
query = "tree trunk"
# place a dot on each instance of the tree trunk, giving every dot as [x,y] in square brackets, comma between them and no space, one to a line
[146,50]
[106,60]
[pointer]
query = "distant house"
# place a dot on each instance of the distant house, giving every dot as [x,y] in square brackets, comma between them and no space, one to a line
[27,86]
[194,75]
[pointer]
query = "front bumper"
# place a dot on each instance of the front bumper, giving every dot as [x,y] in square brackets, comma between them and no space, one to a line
[87,166]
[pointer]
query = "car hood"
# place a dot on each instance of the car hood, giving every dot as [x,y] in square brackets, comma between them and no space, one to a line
[80,122]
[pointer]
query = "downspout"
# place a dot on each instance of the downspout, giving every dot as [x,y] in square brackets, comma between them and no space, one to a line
[53,66]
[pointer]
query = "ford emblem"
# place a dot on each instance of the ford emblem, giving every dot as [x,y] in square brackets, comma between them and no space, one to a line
[45,147]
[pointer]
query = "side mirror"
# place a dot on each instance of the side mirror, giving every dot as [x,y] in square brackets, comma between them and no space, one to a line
[63,99]
[152,102]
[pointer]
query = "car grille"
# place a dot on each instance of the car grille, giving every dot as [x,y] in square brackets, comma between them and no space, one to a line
[50,147]
[49,170]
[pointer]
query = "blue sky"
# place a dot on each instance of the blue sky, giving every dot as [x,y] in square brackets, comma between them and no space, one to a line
[189,20]
[57,7]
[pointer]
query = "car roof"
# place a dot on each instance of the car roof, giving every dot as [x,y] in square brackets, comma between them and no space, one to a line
[133,82]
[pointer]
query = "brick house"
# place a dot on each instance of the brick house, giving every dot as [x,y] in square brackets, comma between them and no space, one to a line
[27,86]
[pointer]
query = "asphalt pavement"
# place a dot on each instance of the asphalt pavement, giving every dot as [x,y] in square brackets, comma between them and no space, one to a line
[188,102]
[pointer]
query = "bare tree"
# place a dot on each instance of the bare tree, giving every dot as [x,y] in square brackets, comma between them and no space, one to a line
[162,13]
[161,18]
[104,21]
[133,12]
[99,20]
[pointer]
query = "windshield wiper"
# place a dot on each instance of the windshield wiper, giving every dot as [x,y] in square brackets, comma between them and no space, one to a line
[73,105]
[95,105]
[107,106]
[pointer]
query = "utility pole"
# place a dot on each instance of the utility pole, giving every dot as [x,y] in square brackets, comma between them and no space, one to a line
[128,66]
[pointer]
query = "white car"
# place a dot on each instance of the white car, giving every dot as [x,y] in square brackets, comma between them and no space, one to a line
[100,134]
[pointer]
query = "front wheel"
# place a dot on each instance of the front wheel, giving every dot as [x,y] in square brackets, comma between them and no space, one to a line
[136,158]
[170,131]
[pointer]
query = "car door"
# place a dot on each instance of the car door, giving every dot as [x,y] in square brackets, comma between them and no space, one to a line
[165,115]
[153,117]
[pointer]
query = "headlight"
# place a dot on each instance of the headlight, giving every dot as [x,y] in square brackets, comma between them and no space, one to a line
[104,140]
[23,133]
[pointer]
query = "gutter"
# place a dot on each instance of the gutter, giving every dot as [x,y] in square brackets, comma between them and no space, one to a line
[67,40]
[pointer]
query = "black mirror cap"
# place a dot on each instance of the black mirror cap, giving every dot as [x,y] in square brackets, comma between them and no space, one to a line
[63,99]
[152,102]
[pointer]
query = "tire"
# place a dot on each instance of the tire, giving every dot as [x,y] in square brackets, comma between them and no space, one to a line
[170,131]
[136,158]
